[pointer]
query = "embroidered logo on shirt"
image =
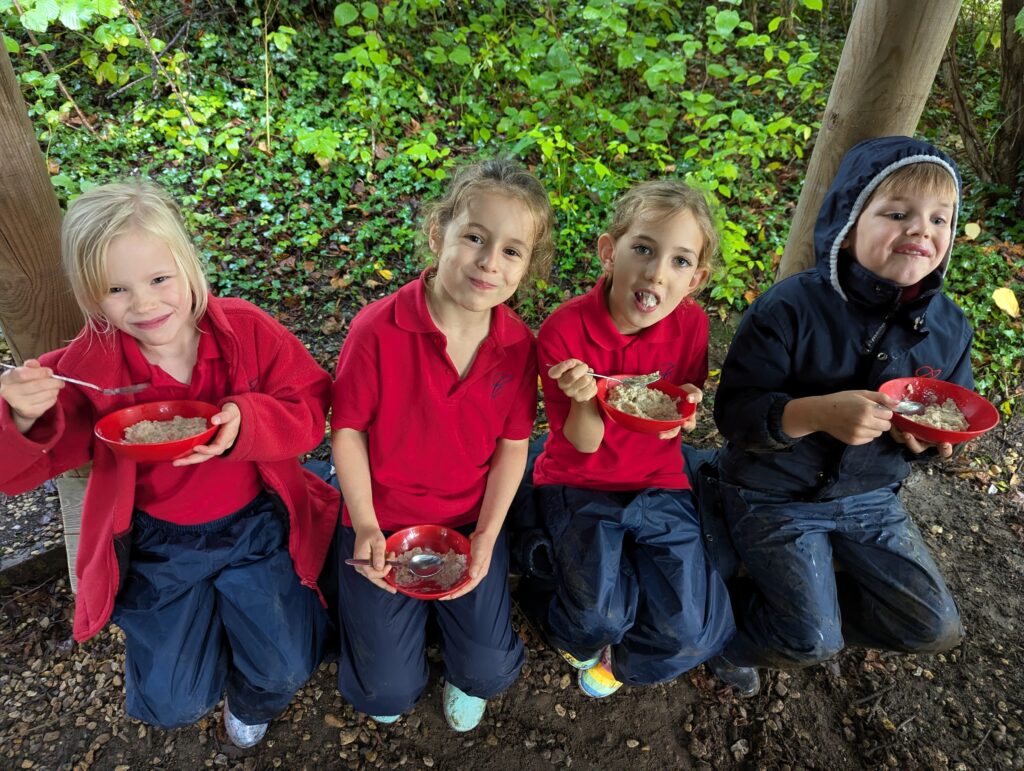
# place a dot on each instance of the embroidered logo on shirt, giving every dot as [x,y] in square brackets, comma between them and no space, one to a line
[927,371]
[667,369]
[500,382]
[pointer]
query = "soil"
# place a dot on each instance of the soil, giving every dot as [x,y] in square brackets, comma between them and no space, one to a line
[62,703]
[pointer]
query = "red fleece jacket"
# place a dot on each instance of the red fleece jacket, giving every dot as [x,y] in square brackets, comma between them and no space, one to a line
[282,394]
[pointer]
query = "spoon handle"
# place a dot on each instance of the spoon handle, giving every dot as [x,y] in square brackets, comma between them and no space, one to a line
[353,561]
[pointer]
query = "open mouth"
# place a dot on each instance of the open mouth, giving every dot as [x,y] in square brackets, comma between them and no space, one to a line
[646,301]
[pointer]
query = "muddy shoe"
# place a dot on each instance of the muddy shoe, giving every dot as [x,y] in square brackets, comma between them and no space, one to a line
[744,679]
[462,711]
[241,734]
[598,681]
[576,663]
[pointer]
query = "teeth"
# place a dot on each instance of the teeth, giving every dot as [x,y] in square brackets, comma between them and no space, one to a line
[647,300]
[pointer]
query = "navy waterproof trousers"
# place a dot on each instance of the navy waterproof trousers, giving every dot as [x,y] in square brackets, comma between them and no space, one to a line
[890,596]
[382,667]
[212,608]
[632,572]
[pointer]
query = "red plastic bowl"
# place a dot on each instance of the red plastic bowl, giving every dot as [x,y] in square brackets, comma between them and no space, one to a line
[644,425]
[436,538]
[110,428]
[981,415]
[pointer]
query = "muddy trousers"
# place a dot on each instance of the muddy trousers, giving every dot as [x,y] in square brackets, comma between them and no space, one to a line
[212,608]
[382,667]
[632,572]
[889,595]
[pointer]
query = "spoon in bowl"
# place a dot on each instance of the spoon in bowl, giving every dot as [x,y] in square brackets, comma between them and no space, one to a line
[909,407]
[422,565]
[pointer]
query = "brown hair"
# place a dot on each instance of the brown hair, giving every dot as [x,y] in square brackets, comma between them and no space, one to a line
[665,198]
[926,178]
[507,178]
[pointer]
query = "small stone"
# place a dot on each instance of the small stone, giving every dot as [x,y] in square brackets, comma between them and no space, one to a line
[333,721]
[428,761]
[632,743]
[740,749]
[560,710]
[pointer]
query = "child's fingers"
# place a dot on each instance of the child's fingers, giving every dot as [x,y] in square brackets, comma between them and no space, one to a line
[671,433]
[945,450]
[693,394]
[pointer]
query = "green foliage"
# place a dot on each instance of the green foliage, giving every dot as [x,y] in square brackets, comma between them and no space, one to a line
[301,138]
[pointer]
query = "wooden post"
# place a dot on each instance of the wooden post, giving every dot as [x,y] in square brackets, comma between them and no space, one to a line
[892,52]
[37,310]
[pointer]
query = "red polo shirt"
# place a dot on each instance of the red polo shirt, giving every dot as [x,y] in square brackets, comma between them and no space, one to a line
[582,328]
[190,495]
[431,435]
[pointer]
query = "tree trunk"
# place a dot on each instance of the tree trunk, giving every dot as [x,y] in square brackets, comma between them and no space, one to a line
[889,60]
[1009,144]
[37,310]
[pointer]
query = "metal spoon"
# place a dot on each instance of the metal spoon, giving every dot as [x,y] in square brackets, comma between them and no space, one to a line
[132,389]
[632,380]
[909,407]
[423,565]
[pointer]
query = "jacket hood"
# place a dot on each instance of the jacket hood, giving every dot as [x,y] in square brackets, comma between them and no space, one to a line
[862,170]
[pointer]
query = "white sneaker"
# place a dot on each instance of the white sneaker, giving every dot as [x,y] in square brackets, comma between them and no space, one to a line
[242,735]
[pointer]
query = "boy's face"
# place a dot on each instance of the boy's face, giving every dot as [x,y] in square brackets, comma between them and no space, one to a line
[652,267]
[902,237]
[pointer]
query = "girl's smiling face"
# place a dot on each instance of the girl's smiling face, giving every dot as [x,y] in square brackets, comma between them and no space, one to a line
[147,295]
[653,267]
[483,253]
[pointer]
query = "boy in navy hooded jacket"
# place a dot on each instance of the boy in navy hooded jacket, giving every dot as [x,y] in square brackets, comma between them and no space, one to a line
[812,465]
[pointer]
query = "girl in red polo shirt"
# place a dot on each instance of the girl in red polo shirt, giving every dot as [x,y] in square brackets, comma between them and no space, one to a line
[433,405]
[209,563]
[636,598]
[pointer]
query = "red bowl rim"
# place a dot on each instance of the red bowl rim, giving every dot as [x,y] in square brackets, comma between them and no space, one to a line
[655,425]
[164,450]
[460,544]
[896,388]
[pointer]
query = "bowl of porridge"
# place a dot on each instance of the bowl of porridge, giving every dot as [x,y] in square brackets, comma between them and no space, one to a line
[650,409]
[952,413]
[158,431]
[449,544]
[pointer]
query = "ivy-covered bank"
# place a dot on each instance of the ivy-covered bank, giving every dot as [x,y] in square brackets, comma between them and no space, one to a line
[302,135]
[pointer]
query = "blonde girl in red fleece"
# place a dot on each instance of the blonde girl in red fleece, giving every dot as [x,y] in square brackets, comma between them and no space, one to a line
[209,563]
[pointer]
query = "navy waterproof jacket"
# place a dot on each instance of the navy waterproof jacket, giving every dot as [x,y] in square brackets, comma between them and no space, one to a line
[835,327]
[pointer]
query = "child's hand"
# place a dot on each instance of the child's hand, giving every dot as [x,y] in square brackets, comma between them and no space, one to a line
[371,545]
[30,392]
[694,396]
[481,547]
[574,380]
[230,421]
[855,417]
[917,446]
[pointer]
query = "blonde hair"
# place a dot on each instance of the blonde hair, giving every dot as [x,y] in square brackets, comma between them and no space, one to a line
[105,213]
[507,178]
[660,199]
[921,179]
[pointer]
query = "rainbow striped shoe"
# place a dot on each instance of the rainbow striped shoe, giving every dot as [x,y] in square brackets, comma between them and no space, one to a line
[598,681]
[576,663]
